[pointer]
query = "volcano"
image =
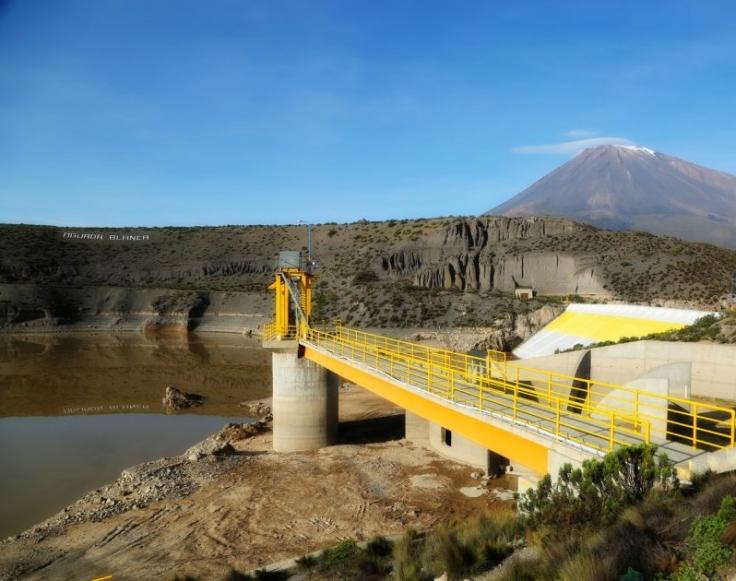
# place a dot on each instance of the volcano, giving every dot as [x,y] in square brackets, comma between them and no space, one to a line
[627,187]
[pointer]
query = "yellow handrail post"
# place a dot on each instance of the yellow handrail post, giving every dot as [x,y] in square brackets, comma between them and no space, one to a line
[549,387]
[733,428]
[480,392]
[452,385]
[516,399]
[429,376]
[636,410]
[695,425]
[557,418]
[611,438]
[648,433]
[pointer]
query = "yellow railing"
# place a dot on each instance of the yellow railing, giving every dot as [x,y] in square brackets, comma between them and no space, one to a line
[684,415]
[548,414]
[272,333]
[595,414]
[498,356]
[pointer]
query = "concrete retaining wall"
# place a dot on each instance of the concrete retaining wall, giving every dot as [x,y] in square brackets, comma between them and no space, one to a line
[461,449]
[713,365]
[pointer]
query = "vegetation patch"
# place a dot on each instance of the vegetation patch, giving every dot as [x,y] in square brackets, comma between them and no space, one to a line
[621,518]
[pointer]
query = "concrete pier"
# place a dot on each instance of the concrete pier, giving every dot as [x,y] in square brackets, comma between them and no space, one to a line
[305,404]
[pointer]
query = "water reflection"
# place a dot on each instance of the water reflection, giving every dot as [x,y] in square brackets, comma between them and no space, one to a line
[77,409]
[95,374]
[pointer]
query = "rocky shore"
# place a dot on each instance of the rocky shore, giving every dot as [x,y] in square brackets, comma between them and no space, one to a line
[230,502]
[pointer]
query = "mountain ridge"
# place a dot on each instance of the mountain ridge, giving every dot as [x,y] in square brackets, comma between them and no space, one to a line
[624,187]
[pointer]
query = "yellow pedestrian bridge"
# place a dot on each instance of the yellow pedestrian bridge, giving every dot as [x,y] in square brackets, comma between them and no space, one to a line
[538,419]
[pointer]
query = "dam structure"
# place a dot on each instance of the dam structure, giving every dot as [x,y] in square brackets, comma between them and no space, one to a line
[489,412]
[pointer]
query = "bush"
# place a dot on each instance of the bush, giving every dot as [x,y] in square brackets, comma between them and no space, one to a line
[348,560]
[406,564]
[708,552]
[375,559]
[599,490]
[458,548]
[341,555]
[586,566]
[365,277]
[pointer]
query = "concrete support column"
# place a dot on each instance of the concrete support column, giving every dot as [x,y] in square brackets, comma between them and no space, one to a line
[305,400]
[416,429]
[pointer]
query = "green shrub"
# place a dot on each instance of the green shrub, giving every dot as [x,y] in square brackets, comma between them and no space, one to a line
[375,559]
[458,548]
[341,555]
[585,566]
[365,277]
[599,490]
[406,565]
[707,551]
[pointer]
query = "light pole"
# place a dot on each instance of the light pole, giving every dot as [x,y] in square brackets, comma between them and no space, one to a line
[309,242]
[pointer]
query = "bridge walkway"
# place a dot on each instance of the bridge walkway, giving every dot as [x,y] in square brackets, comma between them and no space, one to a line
[482,385]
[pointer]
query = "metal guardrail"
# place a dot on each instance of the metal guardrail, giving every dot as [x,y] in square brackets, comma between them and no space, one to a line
[474,389]
[272,333]
[684,415]
[594,414]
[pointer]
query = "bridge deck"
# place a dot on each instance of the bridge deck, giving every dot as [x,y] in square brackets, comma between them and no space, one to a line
[562,419]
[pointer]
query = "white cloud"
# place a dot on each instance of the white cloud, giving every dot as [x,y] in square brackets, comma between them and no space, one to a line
[571,147]
[581,133]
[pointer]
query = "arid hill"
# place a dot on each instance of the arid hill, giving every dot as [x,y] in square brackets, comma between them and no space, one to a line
[399,273]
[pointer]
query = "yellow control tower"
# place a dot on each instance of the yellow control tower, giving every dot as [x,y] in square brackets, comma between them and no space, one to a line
[292,288]
[305,395]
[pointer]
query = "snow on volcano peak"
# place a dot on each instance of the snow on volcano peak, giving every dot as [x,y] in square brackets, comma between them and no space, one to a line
[638,148]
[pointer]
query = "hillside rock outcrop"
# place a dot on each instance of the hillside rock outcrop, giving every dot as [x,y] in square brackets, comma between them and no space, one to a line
[468,256]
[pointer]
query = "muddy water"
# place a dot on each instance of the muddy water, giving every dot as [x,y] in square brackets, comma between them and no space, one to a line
[75,410]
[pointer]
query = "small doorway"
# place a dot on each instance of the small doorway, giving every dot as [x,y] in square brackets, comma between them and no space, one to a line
[447,437]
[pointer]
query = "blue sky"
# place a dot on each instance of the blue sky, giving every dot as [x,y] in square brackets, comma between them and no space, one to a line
[152,112]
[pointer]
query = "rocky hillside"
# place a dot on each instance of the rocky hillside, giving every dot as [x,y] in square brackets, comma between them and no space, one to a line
[400,273]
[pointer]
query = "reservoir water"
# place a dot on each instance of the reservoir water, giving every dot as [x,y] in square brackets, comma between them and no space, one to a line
[75,410]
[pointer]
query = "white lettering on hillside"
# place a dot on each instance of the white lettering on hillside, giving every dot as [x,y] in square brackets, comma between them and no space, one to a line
[113,237]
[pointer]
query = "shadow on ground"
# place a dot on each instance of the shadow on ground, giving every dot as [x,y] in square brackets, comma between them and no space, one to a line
[373,430]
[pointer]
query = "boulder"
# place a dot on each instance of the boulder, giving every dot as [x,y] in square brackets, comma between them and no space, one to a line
[260,408]
[209,447]
[175,399]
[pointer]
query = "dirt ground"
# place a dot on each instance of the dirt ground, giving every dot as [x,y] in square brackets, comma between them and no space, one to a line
[233,503]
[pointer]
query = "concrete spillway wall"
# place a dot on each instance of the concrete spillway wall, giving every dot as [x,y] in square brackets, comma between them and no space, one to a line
[713,372]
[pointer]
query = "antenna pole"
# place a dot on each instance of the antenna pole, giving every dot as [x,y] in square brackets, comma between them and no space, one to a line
[309,245]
